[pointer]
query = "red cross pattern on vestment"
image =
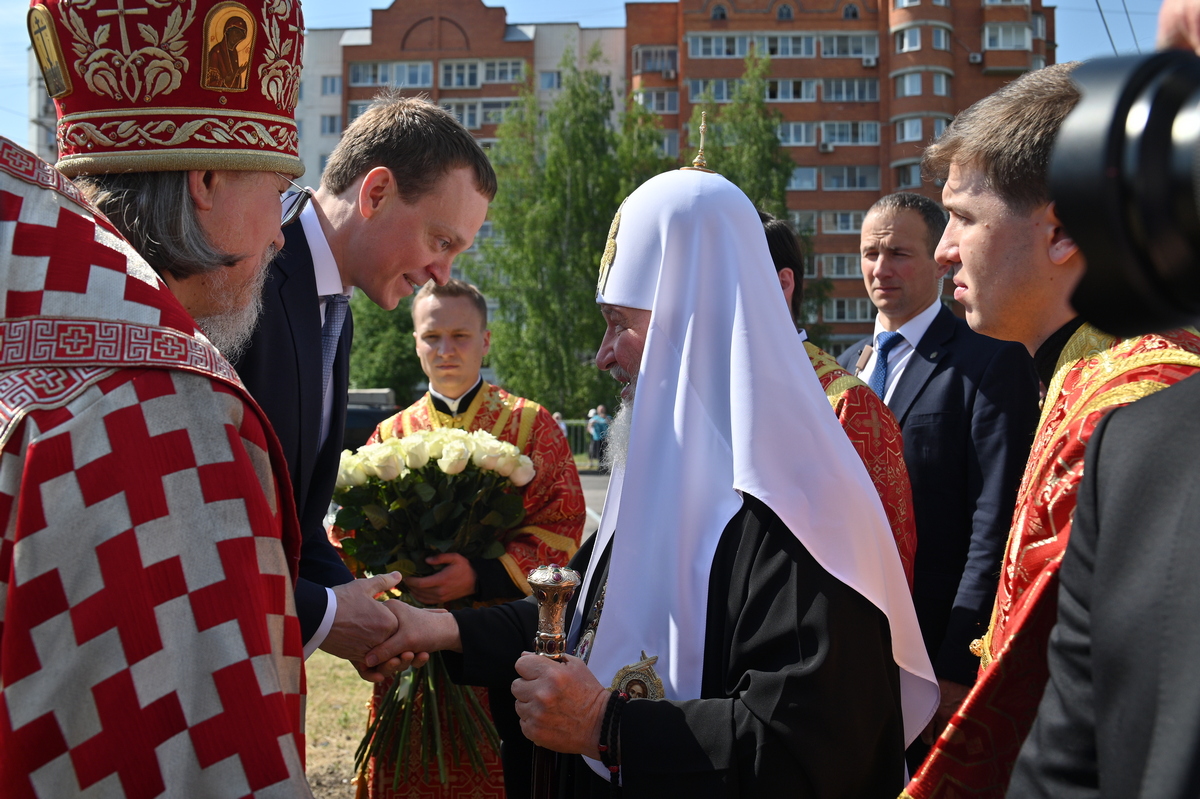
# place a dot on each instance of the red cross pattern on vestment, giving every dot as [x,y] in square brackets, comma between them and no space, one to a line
[250,727]
[130,594]
[129,735]
[136,465]
[218,603]
[68,268]
[26,750]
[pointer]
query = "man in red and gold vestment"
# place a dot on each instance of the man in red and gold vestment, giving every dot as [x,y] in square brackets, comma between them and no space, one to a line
[450,328]
[868,423]
[1015,267]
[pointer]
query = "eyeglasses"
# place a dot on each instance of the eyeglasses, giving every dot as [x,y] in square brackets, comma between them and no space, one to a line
[293,202]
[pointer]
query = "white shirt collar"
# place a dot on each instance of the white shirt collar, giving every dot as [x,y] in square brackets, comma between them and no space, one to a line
[329,278]
[452,404]
[914,329]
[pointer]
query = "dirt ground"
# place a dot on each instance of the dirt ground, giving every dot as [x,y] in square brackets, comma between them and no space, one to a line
[336,719]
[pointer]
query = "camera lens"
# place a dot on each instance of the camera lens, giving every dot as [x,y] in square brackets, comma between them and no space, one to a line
[1124,179]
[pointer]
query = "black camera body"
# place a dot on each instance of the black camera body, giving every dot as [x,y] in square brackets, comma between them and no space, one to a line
[1124,179]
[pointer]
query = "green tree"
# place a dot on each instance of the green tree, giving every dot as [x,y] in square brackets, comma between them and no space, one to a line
[383,354]
[560,183]
[743,140]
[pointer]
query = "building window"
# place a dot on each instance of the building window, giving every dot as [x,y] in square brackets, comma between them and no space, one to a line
[940,38]
[803,46]
[939,127]
[850,12]
[503,71]
[851,90]
[1039,26]
[466,113]
[941,84]
[550,80]
[722,90]
[331,124]
[908,130]
[403,74]
[907,3]
[356,110]
[460,74]
[1007,37]
[718,12]
[368,73]
[941,2]
[850,132]
[849,178]
[908,176]
[908,40]
[1037,62]
[908,85]
[849,310]
[784,14]
[669,146]
[331,84]
[842,222]
[798,134]
[804,178]
[801,91]
[850,46]
[660,101]
[1006,2]
[840,265]
[718,46]
[804,222]
[655,59]
[493,111]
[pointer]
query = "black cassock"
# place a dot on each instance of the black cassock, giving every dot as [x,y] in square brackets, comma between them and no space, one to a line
[800,696]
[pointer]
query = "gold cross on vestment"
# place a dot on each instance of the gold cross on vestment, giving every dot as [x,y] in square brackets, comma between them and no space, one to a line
[120,11]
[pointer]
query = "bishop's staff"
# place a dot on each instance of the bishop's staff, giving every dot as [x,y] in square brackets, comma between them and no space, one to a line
[553,587]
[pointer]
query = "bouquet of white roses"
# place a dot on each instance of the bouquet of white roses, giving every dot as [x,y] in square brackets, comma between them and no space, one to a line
[404,500]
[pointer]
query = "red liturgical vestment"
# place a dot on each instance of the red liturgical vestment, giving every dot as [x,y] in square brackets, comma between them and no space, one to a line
[975,754]
[554,516]
[876,437]
[148,635]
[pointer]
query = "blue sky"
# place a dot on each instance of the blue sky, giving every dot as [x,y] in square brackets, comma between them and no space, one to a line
[1081,34]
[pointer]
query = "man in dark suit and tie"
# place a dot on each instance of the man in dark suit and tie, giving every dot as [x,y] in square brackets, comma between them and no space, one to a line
[404,192]
[967,406]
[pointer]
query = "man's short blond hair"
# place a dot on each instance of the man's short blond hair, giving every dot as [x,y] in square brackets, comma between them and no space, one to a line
[1009,136]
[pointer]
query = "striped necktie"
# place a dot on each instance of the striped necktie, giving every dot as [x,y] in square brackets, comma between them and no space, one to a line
[331,331]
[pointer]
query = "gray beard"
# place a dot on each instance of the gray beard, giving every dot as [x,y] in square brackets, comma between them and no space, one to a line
[230,331]
[616,443]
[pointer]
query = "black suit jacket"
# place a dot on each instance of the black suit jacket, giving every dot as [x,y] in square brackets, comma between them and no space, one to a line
[1121,713]
[282,370]
[967,407]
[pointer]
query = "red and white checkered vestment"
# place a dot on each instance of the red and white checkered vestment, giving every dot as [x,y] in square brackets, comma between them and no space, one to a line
[149,644]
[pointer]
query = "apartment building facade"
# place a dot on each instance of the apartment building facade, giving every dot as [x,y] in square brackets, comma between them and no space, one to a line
[861,87]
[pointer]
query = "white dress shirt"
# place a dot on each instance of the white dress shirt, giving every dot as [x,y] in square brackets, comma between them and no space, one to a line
[911,333]
[329,281]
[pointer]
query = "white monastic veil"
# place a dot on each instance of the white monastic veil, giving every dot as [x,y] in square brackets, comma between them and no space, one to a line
[726,401]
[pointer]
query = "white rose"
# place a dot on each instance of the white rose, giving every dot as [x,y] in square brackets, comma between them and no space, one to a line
[507,462]
[524,471]
[455,456]
[487,453]
[386,462]
[434,441]
[416,452]
[350,471]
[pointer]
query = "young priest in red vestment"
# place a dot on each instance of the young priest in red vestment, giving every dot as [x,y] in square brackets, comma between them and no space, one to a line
[1015,267]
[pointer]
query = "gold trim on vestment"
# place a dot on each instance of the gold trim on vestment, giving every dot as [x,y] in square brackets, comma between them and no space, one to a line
[181,160]
[516,573]
[528,417]
[553,540]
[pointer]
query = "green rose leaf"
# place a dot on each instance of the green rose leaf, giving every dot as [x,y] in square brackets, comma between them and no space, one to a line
[377,516]
[493,550]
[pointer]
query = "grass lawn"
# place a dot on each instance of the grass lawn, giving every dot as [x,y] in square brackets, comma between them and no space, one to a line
[336,719]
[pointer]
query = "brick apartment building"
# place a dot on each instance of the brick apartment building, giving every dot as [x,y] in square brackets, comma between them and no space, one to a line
[862,87]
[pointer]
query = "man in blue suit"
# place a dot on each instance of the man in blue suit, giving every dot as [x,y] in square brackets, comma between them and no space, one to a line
[404,192]
[967,406]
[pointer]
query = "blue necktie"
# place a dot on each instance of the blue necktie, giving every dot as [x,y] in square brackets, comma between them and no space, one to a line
[878,381]
[331,331]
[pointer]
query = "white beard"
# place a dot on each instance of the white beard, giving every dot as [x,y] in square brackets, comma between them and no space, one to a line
[230,331]
[616,443]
